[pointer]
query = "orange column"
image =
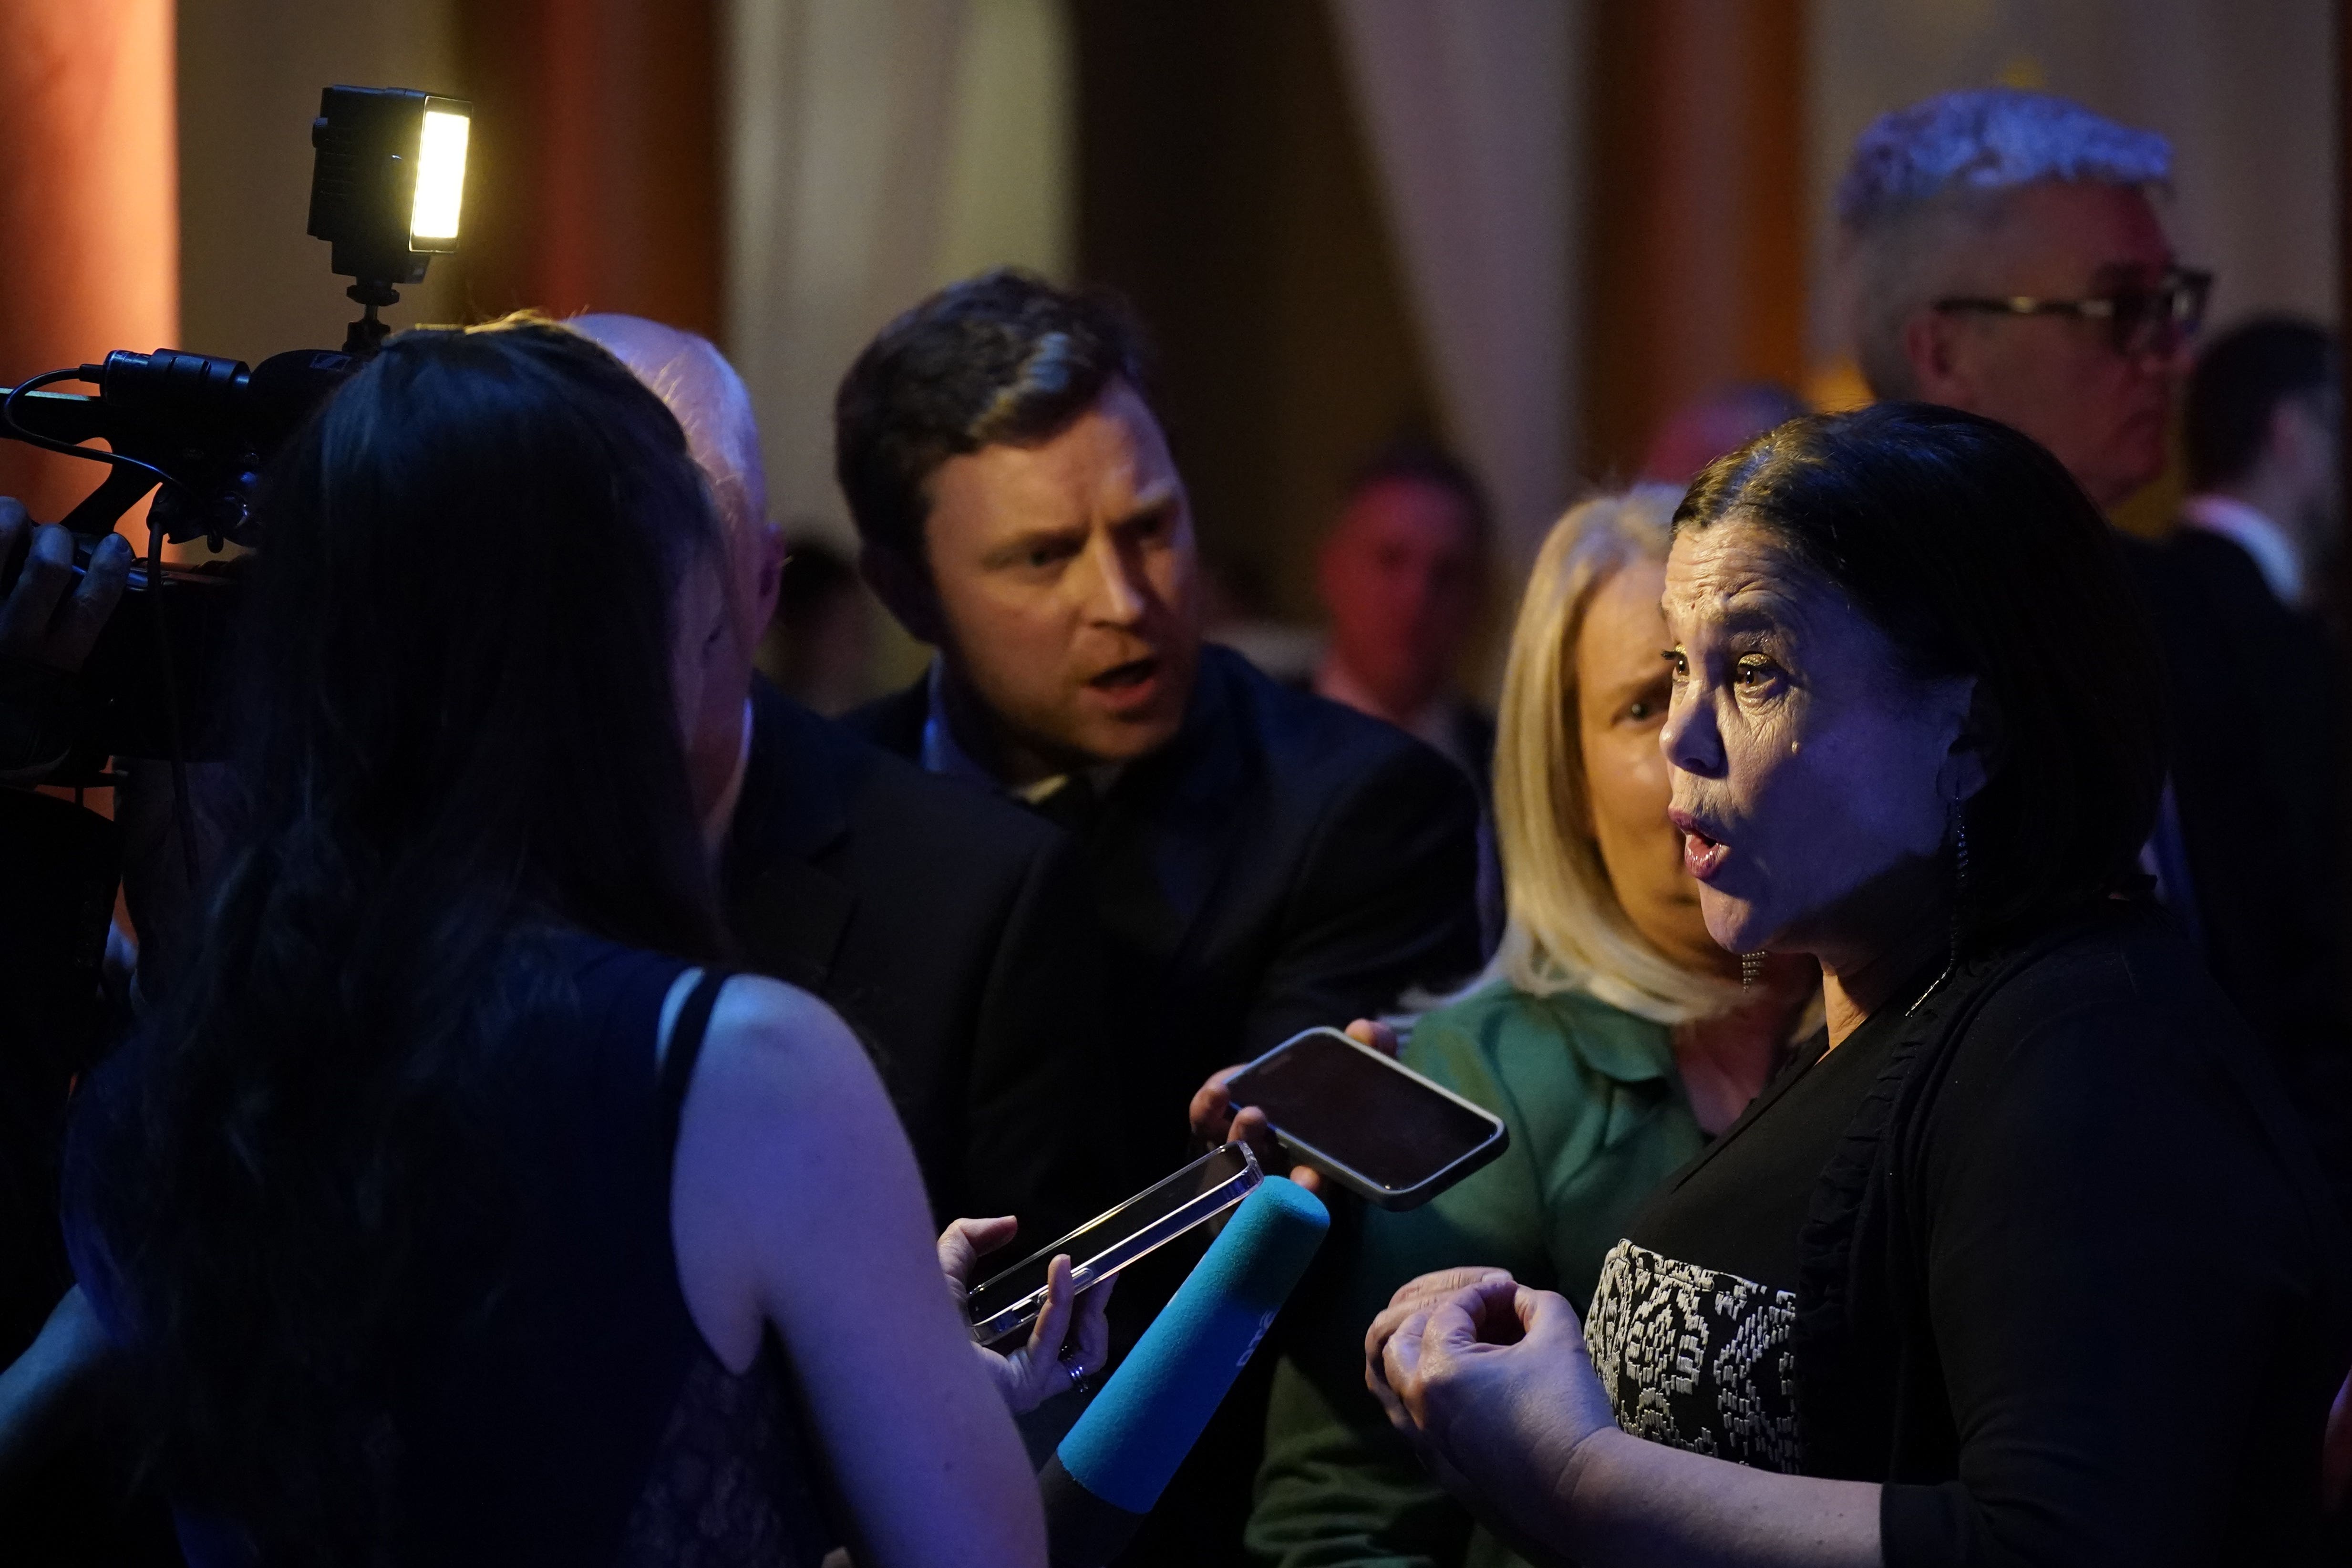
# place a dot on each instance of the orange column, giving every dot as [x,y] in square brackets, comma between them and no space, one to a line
[1696,249]
[90,229]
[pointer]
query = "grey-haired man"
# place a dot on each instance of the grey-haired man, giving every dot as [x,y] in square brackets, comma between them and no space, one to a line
[2006,256]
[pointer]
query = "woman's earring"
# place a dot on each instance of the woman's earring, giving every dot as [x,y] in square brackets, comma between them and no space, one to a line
[1960,873]
[1959,824]
[1751,970]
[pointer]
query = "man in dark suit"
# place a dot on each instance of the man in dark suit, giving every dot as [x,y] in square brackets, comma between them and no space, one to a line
[950,929]
[1279,865]
[1261,860]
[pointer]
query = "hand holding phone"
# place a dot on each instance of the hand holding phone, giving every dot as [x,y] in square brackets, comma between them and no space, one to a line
[1069,1340]
[1217,1119]
[1371,1124]
[1003,1306]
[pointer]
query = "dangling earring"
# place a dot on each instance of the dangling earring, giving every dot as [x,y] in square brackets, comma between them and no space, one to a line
[1959,873]
[1751,970]
[1960,821]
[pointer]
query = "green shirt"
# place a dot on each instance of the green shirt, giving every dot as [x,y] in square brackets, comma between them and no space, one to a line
[1598,1118]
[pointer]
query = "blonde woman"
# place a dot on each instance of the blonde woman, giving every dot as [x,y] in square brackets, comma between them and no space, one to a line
[1611,1033]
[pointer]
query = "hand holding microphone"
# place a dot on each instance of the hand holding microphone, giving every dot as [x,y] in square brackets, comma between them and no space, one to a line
[1068,1342]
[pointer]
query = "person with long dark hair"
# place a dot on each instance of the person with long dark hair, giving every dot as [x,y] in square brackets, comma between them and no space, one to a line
[459,1206]
[2026,1259]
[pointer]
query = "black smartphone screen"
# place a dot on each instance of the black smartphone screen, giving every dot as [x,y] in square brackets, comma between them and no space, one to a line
[1361,1110]
[1099,1237]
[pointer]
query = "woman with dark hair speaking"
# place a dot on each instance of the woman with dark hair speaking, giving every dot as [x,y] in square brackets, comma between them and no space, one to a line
[458,1208]
[2024,1261]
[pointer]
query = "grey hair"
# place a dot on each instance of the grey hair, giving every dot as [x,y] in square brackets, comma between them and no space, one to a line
[1922,178]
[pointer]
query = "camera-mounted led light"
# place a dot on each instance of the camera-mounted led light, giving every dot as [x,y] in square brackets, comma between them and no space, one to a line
[387,190]
[440,175]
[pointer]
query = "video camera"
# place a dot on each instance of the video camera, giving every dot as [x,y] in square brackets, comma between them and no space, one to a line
[386,191]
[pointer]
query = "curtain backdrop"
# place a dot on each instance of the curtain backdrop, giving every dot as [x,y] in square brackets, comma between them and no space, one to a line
[1695,221]
[876,149]
[1474,113]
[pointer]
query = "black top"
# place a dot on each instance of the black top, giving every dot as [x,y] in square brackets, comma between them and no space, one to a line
[2067,1282]
[952,930]
[1740,1205]
[578,1416]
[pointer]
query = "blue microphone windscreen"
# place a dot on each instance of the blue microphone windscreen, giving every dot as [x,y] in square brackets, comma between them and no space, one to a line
[1148,1416]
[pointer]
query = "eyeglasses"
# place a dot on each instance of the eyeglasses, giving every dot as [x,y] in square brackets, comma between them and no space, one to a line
[2139,321]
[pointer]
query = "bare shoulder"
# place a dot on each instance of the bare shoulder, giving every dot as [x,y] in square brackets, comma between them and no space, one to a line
[779,1046]
[781,1101]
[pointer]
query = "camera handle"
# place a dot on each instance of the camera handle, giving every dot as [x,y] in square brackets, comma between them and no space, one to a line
[127,478]
[96,513]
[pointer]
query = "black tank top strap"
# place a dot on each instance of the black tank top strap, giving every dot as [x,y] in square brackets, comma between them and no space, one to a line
[684,1050]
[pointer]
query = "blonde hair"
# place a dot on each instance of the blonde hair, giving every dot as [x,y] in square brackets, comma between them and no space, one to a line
[1567,931]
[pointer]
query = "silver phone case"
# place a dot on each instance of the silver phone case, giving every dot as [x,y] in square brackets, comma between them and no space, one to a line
[1120,1250]
[1354,1180]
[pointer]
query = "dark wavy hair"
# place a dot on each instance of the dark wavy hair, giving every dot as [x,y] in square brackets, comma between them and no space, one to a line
[1976,553]
[1003,359]
[458,732]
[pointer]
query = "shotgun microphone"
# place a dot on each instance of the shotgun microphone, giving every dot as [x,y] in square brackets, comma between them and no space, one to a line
[1114,1463]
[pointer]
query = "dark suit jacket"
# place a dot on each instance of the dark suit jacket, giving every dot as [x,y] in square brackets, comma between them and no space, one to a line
[953,930]
[2257,768]
[1283,862]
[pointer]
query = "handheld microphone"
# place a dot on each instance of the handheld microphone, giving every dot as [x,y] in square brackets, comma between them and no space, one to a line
[1114,1463]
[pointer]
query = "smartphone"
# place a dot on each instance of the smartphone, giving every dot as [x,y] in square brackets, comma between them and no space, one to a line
[1009,1302]
[1374,1126]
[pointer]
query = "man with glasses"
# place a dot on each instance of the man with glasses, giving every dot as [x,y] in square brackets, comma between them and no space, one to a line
[2004,256]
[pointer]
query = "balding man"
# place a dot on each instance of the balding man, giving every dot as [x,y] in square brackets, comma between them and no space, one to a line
[946,925]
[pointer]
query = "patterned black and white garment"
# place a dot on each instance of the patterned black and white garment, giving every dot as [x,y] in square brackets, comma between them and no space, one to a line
[1696,1358]
[1695,1327]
